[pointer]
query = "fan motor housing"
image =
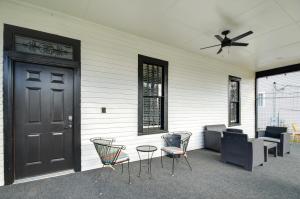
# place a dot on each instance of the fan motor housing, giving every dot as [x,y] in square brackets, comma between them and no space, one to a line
[225,32]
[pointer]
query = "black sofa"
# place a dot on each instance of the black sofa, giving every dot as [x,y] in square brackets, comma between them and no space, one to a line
[278,135]
[238,150]
[214,133]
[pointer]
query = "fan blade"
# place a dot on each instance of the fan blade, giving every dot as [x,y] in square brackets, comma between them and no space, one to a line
[239,44]
[210,46]
[219,38]
[220,50]
[242,36]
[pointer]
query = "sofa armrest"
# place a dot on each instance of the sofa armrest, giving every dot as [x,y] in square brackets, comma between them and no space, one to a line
[285,145]
[260,134]
[285,137]
[257,149]
[256,143]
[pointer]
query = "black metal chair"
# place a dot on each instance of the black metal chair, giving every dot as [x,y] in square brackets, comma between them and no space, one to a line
[175,151]
[110,154]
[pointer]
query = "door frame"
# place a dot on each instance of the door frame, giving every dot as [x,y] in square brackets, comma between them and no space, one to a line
[10,56]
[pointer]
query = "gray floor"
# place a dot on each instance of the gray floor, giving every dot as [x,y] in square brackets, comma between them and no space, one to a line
[210,178]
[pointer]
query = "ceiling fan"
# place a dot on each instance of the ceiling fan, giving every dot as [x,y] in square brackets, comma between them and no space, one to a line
[229,42]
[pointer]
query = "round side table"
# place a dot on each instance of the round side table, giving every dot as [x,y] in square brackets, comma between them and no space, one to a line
[146,149]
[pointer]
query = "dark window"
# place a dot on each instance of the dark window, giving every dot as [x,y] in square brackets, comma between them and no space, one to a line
[153,96]
[234,101]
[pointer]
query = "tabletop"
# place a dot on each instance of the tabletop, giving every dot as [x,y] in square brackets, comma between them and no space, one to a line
[270,144]
[146,148]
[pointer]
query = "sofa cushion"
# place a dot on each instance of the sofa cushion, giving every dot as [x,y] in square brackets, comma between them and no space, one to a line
[236,137]
[234,144]
[172,150]
[231,130]
[274,131]
[270,139]
[218,127]
[109,158]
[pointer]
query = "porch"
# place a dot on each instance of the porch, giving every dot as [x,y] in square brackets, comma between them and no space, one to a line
[74,70]
[210,178]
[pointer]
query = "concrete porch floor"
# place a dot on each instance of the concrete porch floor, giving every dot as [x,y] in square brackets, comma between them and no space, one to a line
[210,178]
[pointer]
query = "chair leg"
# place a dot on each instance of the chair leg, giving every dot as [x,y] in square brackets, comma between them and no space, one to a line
[187,162]
[161,159]
[122,168]
[128,173]
[173,166]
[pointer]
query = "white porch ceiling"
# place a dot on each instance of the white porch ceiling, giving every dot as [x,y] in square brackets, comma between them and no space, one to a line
[191,24]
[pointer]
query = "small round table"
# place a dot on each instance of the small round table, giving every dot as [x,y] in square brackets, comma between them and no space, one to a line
[146,149]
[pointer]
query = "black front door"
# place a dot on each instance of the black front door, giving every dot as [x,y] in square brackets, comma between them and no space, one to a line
[43,114]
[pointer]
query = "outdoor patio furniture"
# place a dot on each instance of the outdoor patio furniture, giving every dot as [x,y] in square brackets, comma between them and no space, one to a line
[110,154]
[278,135]
[146,149]
[296,133]
[173,141]
[269,146]
[237,149]
[173,150]
[213,135]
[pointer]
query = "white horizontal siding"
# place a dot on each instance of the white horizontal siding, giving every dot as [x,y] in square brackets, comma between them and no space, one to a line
[197,85]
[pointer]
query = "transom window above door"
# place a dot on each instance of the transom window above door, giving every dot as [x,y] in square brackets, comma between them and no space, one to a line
[153,84]
[42,47]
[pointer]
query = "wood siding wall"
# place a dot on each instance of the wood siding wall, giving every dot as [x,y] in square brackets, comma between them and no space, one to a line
[197,85]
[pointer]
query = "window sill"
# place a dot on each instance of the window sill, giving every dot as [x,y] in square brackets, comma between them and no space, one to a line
[152,132]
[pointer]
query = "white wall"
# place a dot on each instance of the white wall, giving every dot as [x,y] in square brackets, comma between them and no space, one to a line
[197,85]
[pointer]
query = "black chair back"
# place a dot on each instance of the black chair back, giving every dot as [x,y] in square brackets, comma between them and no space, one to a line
[172,140]
[275,131]
[234,143]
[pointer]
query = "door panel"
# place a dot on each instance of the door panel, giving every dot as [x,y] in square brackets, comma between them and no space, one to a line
[43,104]
[33,99]
[57,105]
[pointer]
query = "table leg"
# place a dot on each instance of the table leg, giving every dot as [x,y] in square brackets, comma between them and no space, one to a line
[266,153]
[140,165]
[150,164]
[275,154]
[161,159]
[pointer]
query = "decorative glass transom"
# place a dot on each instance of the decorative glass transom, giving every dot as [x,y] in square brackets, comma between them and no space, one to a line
[45,48]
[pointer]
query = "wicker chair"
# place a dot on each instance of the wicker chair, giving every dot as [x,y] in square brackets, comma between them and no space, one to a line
[110,154]
[176,151]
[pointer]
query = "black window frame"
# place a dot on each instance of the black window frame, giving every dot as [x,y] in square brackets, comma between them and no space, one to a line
[164,110]
[238,111]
